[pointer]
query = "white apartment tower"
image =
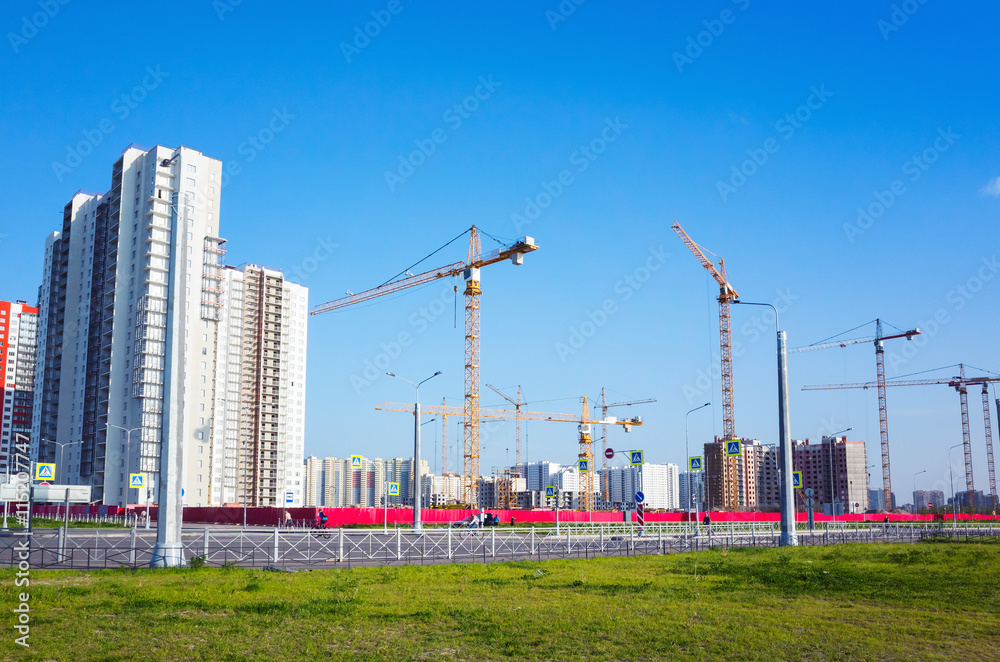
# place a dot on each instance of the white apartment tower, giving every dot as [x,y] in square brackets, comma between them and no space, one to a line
[131,314]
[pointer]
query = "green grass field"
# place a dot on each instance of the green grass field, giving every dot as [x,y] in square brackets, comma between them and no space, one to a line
[931,601]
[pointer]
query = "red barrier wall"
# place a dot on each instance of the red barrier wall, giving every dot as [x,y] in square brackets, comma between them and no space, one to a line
[374,516]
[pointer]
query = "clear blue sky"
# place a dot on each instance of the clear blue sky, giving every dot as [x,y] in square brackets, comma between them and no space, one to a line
[682,117]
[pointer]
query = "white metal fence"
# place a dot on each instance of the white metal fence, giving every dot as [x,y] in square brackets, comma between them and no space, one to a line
[257,547]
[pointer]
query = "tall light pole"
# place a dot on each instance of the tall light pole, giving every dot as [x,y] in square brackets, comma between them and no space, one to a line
[788,535]
[417,525]
[915,507]
[128,450]
[835,490]
[951,479]
[60,444]
[687,455]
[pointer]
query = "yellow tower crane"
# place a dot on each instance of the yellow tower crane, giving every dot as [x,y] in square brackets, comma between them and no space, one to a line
[727,294]
[583,421]
[469,270]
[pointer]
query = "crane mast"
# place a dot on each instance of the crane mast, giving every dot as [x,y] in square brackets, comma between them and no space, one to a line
[727,294]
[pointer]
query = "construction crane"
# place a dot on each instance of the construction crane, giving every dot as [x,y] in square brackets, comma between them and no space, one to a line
[605,487]
[883,414]
[583,421]
[444,440]
[469,270]
[961,384]
[727,294]
[518,458]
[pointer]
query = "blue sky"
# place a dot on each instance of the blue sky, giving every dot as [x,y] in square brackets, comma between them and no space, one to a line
[647,111]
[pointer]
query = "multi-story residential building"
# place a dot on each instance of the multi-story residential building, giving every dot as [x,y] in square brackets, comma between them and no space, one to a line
[928,499]
[18,347]
[344,486]
[768,479]
[260,381]
[877,500]
[691,488]
[836,470]
[537,475]
[732,481]
[132,308]
[659,484]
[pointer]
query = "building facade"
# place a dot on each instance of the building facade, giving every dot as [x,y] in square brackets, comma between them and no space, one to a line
[18,352]
[132,308]
[836,470]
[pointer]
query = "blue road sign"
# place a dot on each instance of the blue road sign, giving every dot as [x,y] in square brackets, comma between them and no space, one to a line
[289,497]
[550,492]
[796,479]
[44,471]
[635,458]
[393,489]
[695,463]
[355,461]
[639,497]
[734,447]
[137,480]
[584,466]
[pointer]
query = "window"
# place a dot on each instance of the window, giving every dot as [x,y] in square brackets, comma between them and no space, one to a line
[190,181]
[191,168]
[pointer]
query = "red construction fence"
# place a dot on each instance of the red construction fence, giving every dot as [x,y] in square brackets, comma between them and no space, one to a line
[370,516]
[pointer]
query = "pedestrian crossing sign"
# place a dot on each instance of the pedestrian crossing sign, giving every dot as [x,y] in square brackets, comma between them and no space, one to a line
[355,461]
[635,457]
[45,471]
[393,489]
[796,480]
[734,447]
[695,463]
[550,492]
[584,466]
[137,480]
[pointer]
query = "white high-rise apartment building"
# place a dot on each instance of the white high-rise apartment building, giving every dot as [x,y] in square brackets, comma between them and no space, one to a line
[659,484]
[131,313]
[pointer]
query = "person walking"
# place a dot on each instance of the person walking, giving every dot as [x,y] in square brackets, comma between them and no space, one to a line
[288,520]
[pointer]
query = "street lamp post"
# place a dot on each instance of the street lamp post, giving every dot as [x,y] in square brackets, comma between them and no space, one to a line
[915,507]
[788,534]
[416,446]
[687,454]
[951,479]
[128,450]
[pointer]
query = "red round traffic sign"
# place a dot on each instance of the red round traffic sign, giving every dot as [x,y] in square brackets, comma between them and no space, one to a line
[610,454]
[43,483]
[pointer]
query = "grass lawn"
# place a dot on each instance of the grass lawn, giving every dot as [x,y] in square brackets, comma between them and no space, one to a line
[935,601]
